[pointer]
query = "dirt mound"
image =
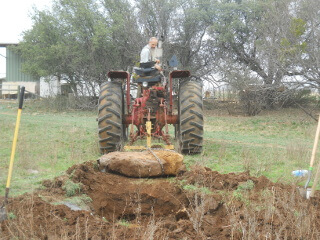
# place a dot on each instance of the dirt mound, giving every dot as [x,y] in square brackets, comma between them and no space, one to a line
[200,204]
[116,196]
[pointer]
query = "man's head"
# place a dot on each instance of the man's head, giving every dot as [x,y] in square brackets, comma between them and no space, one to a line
[153,42]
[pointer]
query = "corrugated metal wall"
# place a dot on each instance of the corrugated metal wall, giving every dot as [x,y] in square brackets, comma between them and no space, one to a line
[13,69]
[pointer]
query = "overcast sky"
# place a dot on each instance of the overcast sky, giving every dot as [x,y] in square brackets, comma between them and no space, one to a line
[14,19]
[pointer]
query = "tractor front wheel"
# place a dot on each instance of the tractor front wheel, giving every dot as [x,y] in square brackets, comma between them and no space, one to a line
[190,126]
[111,112]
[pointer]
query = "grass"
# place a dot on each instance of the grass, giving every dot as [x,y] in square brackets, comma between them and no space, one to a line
[48,144]
[71,188]
[271,144]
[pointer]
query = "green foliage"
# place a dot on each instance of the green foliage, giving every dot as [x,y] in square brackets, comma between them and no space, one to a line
[71,188]
[264,39]
[11,216]
[302,97]
[240,193]
[80,200]
[124,222]
[78,40]
[294,43]
[248,185]
[298,27]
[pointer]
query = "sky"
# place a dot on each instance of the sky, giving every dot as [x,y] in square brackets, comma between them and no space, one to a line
[14,19]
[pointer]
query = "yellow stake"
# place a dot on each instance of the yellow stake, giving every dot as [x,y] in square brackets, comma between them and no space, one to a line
[3,214]
[14,144]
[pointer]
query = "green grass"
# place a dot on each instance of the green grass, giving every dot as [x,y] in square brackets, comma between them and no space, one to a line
[71,188]
[272,144]
[47,142]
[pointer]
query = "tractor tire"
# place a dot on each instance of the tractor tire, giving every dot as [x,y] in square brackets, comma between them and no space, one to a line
[111,113]
[190,126]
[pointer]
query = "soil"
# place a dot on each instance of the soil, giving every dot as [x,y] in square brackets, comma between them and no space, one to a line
[197,204]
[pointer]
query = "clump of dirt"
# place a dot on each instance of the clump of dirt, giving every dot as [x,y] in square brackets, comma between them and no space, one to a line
[200,204]
[143,164]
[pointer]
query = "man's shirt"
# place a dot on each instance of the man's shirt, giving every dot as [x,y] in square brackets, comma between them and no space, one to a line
[146,54]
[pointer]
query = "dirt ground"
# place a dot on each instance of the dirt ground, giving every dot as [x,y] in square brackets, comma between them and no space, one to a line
[198,204]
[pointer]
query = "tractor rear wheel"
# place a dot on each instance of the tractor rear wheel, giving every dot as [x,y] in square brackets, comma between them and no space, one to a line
[190,126]
[111,112]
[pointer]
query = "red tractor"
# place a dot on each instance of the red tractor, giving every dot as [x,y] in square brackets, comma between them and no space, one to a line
[148,115]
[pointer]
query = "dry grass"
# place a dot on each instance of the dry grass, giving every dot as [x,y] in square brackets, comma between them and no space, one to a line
[275,216]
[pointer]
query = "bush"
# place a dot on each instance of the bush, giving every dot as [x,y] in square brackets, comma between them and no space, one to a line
[256,98]
[63,103]
[301,97]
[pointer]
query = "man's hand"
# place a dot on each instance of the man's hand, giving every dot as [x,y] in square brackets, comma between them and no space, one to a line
[157,61]
[158,67]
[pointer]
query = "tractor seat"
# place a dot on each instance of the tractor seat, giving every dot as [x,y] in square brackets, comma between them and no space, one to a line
[145,71]
[149,79]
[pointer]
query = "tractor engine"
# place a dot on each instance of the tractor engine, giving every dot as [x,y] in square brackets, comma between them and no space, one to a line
[151,106]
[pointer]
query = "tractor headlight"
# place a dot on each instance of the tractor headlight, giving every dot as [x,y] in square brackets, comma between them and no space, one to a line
[145,84]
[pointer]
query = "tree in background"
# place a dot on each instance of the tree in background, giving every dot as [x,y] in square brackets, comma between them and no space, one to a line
[262,42]
[239,42]
[308,30]
[80,41]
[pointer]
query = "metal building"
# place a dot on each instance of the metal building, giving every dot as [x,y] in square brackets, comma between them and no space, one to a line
[14,75]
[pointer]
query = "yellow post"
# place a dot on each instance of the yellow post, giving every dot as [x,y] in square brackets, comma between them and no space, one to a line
[148,127]
[14,144]
[3,215]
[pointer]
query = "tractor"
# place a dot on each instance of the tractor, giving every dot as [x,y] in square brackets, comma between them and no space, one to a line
[170,97]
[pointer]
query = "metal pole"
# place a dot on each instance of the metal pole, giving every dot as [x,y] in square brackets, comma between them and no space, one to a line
[18,91]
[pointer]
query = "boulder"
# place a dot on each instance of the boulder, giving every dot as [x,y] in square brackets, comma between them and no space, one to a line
[143,164]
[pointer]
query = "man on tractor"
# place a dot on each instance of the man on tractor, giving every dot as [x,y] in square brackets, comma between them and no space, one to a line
[147,55]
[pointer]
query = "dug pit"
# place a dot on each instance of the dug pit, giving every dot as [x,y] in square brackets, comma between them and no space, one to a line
[115,196]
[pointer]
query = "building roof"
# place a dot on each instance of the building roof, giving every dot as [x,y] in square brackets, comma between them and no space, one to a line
[8,44]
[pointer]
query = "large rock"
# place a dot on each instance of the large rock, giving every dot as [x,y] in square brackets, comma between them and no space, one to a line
[143,164]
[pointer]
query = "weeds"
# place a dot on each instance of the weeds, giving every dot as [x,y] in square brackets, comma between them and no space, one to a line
[151,229]
[196,210]
[204,190]
[71,188]
[265,217]
[248,185]
[246,159]
[11,216]
[124,222]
